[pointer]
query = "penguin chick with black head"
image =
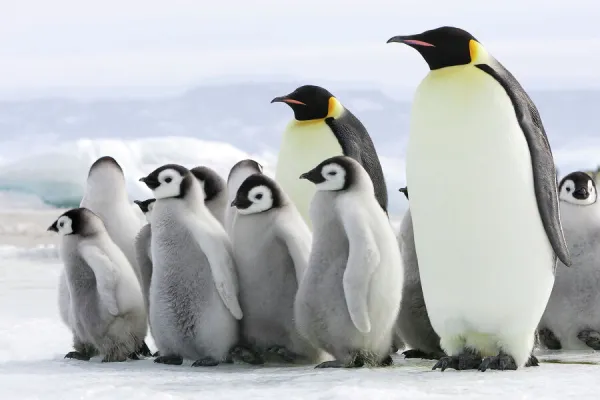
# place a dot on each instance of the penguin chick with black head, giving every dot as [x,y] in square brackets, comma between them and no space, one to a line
[238,174]
[348,301]
[471,118]
[215,191]
[142,248]
[194,308]
[105,311]
[322,127]
[271,246]
[572,318]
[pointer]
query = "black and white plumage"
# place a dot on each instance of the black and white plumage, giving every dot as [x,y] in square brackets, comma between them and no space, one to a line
[105,307]
[271,245]
[194,308]
[142,248]
[215,191]
[238,174]
[348,301]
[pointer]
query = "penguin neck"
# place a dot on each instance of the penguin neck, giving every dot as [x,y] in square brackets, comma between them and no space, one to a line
[335,110]
[105,187]
[580,220]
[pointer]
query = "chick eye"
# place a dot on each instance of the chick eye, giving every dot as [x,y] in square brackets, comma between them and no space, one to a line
[568,189]
[259,196]
[332,173]
[168,179]
[61,224]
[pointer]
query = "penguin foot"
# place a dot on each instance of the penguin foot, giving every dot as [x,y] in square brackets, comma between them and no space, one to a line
[114,358]
[86,349]
[134,356]
[285,354]
[157,354]
[549,339]
[144,350]
[169,360]
[590,338]
[501,362]
[386,362]
[247,355]
[532,362]
[75,355]
[205,362]
[228,359]
[415,353]
[357,362]
[394,349]
[465,360]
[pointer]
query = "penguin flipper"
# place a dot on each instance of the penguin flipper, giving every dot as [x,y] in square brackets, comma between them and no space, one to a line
[217,248]
[297,239]
[544,169]
[363,258]
[143,257]
[106,274]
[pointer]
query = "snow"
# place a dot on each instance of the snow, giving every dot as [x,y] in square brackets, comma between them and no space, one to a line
[56,174]
[33,342]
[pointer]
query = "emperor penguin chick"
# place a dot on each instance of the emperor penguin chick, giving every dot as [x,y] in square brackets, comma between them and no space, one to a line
[106,311]
[238,174]
[271,246]
[348,301]
[215,191]
[571,320]
[106,196]
[193,300]
[142,248]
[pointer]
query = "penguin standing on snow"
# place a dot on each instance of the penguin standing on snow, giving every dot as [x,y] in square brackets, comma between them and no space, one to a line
[322,128]
[496,233]
[572,317]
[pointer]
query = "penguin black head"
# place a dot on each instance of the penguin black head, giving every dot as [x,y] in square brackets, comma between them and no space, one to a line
[213,183]
[171,180]
[333,174]
[145,205]
[258,193]
[443,47]
[578,188]
[308,102]
[405,191]
[77,221]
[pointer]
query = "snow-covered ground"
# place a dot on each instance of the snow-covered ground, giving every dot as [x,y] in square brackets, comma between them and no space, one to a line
[33,342]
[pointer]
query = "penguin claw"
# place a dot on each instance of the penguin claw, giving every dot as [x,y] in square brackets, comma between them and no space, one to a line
[247,355]
[590,337]
[533,361]
[415,353]
[205,362]
[501,362]
[467,359]
[446,362]
[386,362]
[547,338]
[336,364]
[286,354]
[75,355]
[169,360]
[144,350]
[114,358]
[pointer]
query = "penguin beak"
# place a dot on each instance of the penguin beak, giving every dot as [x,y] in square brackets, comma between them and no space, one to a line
[241,203]
[581,193]
[288,100]
[313,176]
[411,40]
[150,182]
[53,227]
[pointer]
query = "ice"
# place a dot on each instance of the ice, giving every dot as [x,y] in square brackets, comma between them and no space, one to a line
[55,174]
[33,342]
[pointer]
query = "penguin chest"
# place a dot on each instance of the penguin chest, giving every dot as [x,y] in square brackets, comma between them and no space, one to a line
[304,146]
[483,252]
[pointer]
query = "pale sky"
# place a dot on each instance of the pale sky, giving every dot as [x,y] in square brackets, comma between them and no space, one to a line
[46,44]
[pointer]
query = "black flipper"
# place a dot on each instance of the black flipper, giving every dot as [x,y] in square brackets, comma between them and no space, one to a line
[357,144]
[544,173]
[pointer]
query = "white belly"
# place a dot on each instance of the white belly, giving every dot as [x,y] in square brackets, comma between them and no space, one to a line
[303,147]
[485,260]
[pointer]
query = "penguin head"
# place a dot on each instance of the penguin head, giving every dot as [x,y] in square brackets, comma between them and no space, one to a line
[212,183]
[169,181]
[578,188]
[77,221]
[246,165]
[258,193]
[105,177]
[145,205]
[443,47]
[333,174]
[308,102]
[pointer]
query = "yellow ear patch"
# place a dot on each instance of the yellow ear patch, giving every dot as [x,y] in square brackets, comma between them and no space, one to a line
[335,108]
[477,52]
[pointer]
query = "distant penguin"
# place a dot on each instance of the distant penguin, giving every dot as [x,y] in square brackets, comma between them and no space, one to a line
[487,248]
[348,302]
[106,312]
[238,174]
[142,248]
[106,195]
[322,128]
[215,190]
[271,245]
[194,308]
[572,317]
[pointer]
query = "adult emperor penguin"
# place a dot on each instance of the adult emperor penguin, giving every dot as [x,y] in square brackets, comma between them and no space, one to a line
[322,128]
[142,248]
[348,300]
[194,308]
[271,245]
[477,137]
[106,195]
[238,174]
[106,310]
[215,191]
[572,319]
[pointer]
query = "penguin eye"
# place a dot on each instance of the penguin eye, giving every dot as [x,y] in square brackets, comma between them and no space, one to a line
[168,179]
[568,189]
[332,173]
[258,196]
[61,224]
